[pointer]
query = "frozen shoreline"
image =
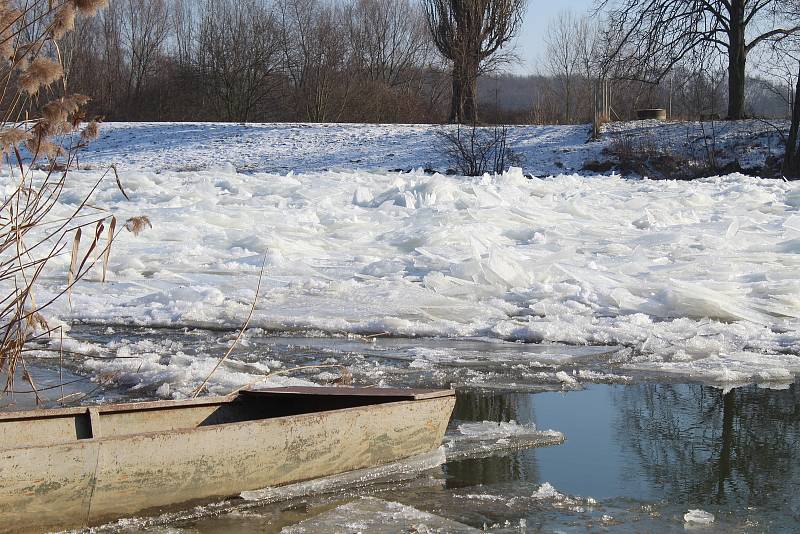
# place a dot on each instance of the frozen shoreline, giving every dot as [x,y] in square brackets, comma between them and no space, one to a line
[696,278]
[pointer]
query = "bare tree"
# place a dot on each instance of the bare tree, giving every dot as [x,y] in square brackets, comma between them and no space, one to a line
[467,33]
[389,38]
[562,58]
[183,26]
[238,51]
[145,31]
[791,157]
[316,57]
[390,45]
[655,35]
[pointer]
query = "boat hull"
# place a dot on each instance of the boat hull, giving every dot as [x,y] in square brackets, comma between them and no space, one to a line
[97,479]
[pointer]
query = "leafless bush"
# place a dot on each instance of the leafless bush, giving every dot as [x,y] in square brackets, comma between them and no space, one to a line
[645,155]
[630,146]
[476,150]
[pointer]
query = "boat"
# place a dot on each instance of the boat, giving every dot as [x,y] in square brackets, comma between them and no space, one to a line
[79,467]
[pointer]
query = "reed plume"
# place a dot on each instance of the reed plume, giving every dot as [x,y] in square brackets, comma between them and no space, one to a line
[41,72]
[8,19]
[136,225]
[64,21]
[91,132]
[13,137]
[90,7]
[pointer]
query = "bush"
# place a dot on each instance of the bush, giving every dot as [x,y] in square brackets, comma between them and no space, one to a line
[474,151]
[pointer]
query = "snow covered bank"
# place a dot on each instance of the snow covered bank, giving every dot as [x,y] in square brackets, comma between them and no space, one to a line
[545,150]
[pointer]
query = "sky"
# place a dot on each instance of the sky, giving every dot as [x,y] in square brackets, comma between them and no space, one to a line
[530,42]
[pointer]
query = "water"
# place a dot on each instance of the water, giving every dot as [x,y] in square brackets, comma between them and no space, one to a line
[637,456]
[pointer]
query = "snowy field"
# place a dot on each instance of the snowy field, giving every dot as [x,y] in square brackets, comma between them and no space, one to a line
[693,279]
[282,148]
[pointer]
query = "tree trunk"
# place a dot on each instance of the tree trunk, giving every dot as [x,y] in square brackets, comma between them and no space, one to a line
[456,101]
[464,104]
[791,159]
[726,442]
[471,93]
[737,61]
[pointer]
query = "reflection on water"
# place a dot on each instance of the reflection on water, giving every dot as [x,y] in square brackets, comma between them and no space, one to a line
[736,453]
[472,405]
[698,444]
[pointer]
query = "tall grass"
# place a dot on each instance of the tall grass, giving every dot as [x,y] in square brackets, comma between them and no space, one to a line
[43,128]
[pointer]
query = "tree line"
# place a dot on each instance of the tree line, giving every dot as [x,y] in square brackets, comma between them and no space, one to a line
[255,60]
[418,60]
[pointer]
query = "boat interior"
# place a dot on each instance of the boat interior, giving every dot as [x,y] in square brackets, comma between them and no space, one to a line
[68,425]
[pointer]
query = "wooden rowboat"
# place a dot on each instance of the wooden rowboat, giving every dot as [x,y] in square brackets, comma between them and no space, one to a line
[76,467]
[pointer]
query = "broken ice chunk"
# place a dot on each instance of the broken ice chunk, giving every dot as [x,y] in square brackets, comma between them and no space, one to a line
[698,517]
[377,517]
[487,437]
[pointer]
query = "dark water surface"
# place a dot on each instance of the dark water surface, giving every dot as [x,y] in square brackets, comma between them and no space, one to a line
[735,454]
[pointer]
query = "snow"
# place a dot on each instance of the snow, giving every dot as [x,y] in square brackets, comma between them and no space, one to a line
[697,279]
[284,147]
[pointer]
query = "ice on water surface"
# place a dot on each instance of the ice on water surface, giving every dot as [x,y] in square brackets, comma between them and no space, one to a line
[698,517]
[488,437]
[693,278]
[379,517]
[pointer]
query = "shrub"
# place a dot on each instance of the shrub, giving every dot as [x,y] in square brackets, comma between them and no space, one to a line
[476,150]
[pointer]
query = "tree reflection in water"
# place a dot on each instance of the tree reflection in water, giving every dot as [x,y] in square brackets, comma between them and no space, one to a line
[476,405]
[701,445]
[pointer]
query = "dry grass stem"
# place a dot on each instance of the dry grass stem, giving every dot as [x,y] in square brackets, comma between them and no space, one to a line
[242,330]
[110,239]
[30,236]
[73,264]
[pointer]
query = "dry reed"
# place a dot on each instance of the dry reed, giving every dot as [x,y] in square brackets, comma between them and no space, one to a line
[31,79]
[90,7]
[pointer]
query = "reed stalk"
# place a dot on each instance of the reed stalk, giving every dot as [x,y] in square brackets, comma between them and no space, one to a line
[43,129]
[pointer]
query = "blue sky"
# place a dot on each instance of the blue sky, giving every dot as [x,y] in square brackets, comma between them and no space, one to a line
[530,42]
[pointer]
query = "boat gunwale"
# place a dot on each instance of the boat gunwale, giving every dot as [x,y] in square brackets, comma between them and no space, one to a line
[142,406]
[209,428]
